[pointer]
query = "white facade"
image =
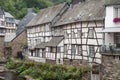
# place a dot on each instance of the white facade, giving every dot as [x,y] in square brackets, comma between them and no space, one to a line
[39,34]
[77,36]
[112,27]
[2,25]
[36,36]
[110,15]
[10,25]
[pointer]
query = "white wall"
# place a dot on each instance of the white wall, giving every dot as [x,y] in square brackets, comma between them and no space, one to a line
[109,38]
[110,15]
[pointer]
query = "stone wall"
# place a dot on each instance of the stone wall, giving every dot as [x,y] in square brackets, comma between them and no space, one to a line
[75,62]
[1,46]
[50,61]
[18,43]
[110,67]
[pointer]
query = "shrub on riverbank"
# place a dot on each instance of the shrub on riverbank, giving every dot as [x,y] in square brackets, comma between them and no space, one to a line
[45,71]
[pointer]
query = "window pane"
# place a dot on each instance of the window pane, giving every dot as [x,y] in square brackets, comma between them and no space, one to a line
[91,33]
[65,49]
[73,49]
[91,51]
[79,50]
[58,49]
[73,34]
[53,50]
[79,33]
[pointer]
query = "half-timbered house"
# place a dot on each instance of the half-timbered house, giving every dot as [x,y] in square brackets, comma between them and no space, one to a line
[78,32]
[39,31]
[82,24]
[10,25]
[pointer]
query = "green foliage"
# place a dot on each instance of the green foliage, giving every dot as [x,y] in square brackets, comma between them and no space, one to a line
[45,71]
[18,8]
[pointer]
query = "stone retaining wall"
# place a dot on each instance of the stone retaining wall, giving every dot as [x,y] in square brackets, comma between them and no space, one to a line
[1,46]
[75,62]
[110,67]
[50,61]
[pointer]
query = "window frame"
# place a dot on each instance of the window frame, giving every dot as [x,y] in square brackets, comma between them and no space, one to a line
[79,48]
[91,33]
[58,49]
[91,51]
[117,12]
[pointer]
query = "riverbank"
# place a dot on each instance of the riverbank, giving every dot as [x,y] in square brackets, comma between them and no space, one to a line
[46,71]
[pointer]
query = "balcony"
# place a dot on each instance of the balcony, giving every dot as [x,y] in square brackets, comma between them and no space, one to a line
[110,49]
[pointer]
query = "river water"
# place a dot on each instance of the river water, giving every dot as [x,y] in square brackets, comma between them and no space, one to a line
[8,74]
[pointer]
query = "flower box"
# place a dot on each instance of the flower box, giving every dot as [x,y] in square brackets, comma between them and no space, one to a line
[116,20]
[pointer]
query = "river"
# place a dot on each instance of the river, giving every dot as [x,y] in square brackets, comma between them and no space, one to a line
[6,74]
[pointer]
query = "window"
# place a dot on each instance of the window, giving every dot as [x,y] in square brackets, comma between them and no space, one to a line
[117,12]
[91,33]
[91,51]
[66,35]
[79,50]
[47,49]
[58,49]
[73,34]
[2,23]
[53,50]
[73,49]
[37,53]
[79,33]
[65,48]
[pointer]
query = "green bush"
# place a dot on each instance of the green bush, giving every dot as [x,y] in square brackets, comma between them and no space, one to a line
[45,71]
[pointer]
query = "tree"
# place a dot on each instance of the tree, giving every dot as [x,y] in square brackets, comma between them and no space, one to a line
[18,8]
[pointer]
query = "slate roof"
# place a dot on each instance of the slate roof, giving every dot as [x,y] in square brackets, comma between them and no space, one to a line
[1,11]
[41,45]
[54,41]
[83,11]
[9,18]
[46,15]
[17,21]
[7,14]
[112,2]
[22,23]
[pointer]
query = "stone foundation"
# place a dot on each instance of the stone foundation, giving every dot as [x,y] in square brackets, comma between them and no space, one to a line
[50,61]
[110,67]
[1,46]
[75,62]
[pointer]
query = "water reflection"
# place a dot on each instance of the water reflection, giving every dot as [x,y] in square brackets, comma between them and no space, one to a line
[10,75]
